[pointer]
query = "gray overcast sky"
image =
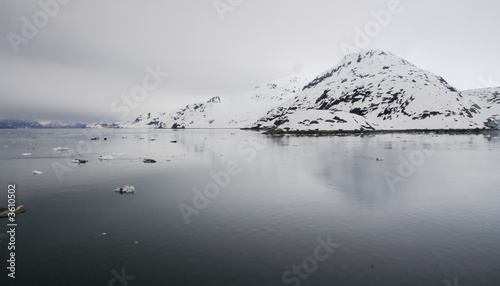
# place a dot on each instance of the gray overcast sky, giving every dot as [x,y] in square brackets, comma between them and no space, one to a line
[88,53]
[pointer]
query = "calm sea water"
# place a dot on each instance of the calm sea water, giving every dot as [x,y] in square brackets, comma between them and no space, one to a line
[231,207]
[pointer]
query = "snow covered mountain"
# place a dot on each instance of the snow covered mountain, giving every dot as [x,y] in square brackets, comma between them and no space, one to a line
[233,112]
[370,90]
[378,90]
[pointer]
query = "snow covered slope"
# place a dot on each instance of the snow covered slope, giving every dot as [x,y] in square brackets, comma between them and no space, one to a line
[375,90]
[232,112]
[489,100]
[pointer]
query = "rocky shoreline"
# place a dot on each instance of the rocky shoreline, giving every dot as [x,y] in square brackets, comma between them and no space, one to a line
[281,132]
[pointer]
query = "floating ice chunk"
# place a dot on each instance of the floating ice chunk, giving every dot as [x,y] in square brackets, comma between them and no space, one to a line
[4,212]
[35,172]
[117,154]
[26,154]
[60,148]
[107,157]
[125,190]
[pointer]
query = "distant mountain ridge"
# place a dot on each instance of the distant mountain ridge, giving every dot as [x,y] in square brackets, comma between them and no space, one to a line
[370,90]
[233,112]
[32,124]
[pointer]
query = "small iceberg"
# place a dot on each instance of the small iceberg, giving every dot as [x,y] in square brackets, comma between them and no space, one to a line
[4,212]
[60,148]
[79,161]
[35,172]
[125,190]
[26,154]
[107,157]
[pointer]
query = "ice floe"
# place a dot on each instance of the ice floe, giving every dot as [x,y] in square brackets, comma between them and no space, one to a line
[60,148]
[4,212]
[106,157]
[125,190]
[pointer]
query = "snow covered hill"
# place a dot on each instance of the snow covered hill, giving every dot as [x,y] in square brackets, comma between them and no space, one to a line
[232,112]
[378,90]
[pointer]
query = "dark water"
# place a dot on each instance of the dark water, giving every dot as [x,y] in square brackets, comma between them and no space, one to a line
[280,211]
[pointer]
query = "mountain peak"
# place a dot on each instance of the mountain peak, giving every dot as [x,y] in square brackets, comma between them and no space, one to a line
[375,55]
[368,62]
[214,99]
[282,82]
